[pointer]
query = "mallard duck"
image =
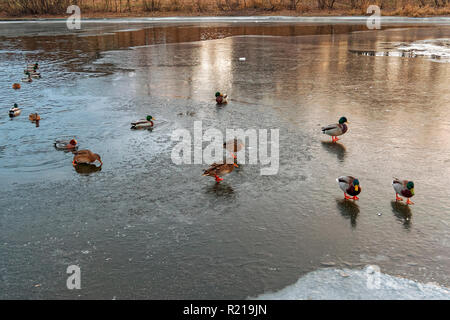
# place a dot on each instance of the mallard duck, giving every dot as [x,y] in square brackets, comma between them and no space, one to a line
[86,157]
[233,146]
[66,144]
[32,66]
[221,98]
[404,188]
[14,111]
[349,185]
[218,170]
[337,129]
[143,124]
[28,78]
[16,86]
[34,117]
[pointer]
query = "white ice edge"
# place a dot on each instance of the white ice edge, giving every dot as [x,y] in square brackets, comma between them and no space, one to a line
[351,284]
[281,19]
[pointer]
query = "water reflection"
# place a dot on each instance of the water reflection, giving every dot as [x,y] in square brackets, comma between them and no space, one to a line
[222,189]
[402,212]
[335,148]
[87,169]
[349,209]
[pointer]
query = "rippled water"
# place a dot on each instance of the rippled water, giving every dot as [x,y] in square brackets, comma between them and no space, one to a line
[143,227]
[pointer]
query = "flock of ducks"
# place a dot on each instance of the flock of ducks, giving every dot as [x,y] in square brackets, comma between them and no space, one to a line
[348,184]
[81,157]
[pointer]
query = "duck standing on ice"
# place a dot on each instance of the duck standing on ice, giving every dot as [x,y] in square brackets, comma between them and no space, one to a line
[335,130]
[218,170]
[349,185]
[404,188]
[221,98]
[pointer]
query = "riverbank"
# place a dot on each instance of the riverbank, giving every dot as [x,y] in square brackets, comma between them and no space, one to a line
[409,11]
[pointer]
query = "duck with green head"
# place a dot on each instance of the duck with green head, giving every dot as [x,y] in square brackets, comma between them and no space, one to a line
[335,130]
[404,188]
[14,111]
[28,78]
[221,98]
[143,124]
[349,185]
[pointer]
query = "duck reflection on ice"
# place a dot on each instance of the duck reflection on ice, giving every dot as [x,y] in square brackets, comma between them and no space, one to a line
[86,169]
[402,212]
[335,148]
[221,189]
[349,210]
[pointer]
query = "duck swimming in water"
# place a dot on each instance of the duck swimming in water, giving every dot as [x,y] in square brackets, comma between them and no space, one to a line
[34,117]
[14,111]
[404,188]
[218,170]
[66,144]
[349,185]
[33,66]
[221,98]
[28,78]
[86,157]
[143,124]
[335,130]
[16,86]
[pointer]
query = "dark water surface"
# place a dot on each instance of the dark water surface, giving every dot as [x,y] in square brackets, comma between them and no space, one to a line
[143,227]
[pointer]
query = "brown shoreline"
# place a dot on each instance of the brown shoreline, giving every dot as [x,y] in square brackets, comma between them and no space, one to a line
[444,12]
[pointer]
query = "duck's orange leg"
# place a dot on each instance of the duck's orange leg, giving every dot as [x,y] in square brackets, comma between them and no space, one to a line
[346,196]
[355,198]
[409,201]
[335,138]
[218,179]
[397,198]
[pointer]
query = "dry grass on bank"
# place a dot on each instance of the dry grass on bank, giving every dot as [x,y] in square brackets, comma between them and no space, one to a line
[108,8]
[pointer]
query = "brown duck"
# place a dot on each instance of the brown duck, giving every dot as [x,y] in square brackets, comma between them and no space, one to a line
[34,117]
[86,157]
[218,170]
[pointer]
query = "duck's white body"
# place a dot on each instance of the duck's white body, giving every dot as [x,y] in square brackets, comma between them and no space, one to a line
[14,112]
[142,124]
[27,80]
[344,182]
[224,99]
[335,130]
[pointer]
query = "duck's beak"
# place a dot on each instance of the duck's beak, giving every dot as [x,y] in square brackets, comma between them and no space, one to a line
[153,119]
[412,191]
[356,188]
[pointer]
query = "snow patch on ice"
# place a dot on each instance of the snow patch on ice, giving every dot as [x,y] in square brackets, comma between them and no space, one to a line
[348,284]
[433,48]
